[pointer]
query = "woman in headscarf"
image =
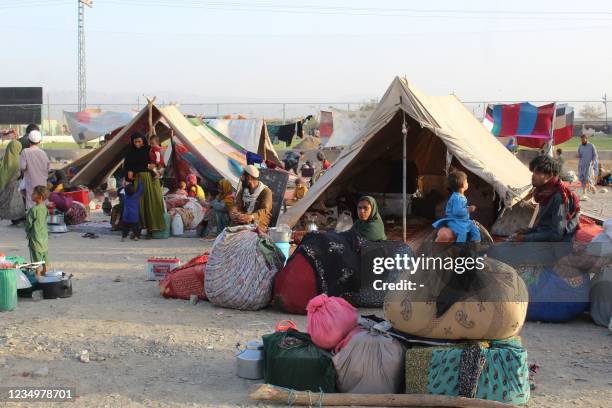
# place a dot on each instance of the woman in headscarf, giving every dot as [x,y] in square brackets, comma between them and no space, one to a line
[369,224]
[136,167]
[11,201]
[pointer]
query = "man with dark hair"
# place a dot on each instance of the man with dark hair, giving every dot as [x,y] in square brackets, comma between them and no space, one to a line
[25,142]
[587,155]
[559,207]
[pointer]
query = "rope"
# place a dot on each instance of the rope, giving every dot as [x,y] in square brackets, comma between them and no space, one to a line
[292,397]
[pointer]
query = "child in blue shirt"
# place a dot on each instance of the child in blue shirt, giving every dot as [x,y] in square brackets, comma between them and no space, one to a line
[130,218]
[457,210]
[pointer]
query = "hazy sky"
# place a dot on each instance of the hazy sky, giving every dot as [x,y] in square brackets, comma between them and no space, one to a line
[311,50]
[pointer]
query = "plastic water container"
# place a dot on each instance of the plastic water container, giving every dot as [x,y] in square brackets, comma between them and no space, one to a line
[284,247]
[8,290]
[165,233]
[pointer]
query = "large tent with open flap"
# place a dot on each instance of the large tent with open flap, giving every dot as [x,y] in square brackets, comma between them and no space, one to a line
[440,132]
[192,145]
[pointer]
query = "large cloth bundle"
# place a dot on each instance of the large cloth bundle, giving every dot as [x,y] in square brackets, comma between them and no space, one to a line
[554,298]
[495,370]
[367,295]
[556,275]
[186,280]
[330,319]
[241,269]
[293,361]
[295,285]
[601,297]
[483,304]
[371,363]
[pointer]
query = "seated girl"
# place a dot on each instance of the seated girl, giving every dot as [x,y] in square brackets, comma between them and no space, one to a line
[457,210]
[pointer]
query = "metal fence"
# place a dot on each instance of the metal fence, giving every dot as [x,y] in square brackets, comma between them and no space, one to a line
[53,122]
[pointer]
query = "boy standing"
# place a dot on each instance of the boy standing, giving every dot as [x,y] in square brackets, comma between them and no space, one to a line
[131,211]
[36,228]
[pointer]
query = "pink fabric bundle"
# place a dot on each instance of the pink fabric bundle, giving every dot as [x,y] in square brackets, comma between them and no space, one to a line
[330,319]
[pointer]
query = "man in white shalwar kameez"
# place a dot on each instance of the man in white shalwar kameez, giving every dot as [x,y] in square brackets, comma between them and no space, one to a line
[34,165]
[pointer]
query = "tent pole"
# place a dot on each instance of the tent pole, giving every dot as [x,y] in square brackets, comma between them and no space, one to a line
[548,147]
[404,135]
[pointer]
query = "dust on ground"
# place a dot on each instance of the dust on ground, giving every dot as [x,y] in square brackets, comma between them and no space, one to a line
[147,351]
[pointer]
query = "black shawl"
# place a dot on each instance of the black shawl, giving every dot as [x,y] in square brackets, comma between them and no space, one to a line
[137,160]
[335,258]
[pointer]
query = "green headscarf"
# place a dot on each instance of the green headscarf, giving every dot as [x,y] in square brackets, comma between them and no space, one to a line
[373,229]
[10,163]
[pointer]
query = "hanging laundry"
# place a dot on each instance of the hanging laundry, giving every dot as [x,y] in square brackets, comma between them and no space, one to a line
[300,129]
[253,158]
[283,132]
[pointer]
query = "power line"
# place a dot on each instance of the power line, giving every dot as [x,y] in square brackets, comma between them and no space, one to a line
[315,9]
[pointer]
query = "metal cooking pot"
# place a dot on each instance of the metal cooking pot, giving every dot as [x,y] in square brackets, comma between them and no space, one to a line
[54,287]
[278,235]
[55,219]
[249,362]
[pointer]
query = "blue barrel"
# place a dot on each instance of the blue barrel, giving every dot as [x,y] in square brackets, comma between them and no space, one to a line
[284,248]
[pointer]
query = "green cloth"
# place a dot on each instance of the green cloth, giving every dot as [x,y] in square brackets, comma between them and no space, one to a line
[292,360]
[9,168]
[37,232]
[151,203]
[373,229]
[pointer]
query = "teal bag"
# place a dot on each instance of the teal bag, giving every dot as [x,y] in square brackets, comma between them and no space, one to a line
[292,360]
[494,370]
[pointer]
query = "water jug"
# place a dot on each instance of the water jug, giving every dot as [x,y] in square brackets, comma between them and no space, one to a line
[8,290]
[249,362]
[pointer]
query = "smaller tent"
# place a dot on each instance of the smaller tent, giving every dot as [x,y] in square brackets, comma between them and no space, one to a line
[252,134]
[192,144]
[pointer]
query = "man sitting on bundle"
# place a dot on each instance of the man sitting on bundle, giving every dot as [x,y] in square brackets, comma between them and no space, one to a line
[253,201]
[559,211]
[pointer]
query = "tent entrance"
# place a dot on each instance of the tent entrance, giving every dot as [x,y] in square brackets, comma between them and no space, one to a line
[377,170]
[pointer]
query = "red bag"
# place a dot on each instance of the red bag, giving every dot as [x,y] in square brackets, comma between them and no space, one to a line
[186,280]
[294,286]
[330,319]
[587,230]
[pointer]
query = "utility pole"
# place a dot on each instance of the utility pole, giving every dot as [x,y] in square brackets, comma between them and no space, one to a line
[605,101]
[81,53]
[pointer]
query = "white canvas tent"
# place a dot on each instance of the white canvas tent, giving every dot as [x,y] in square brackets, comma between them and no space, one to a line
[347,126]
[441,131]
[252,134]
[209,160]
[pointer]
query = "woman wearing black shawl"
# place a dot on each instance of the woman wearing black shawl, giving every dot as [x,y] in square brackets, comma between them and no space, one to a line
[136,167]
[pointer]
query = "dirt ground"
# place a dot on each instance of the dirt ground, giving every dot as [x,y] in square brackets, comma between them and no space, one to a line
[147,351]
